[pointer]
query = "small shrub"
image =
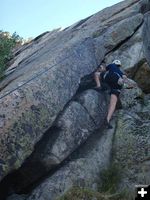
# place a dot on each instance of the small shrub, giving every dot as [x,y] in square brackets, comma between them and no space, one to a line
[110,179]
[77,193]
[108,188]
[7,43]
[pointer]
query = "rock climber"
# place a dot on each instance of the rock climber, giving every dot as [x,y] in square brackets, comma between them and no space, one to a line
[115,78]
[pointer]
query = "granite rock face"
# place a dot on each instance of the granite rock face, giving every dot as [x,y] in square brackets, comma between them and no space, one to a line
[44,116]
[132,144]
[84,168]
[84,115]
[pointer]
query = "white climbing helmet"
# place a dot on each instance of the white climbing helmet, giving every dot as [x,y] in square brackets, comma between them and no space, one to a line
[117,62]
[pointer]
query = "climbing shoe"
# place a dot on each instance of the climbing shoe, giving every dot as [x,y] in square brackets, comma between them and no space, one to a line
[108,125]
[99,89]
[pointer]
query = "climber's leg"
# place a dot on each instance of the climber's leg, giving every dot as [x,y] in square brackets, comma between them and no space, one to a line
[112,106]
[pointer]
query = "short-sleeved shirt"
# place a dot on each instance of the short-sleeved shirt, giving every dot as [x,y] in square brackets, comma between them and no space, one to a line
[113,68]
[111,77]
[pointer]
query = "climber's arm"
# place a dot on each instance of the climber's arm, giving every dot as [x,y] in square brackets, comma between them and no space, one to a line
[128,81]
[97,79]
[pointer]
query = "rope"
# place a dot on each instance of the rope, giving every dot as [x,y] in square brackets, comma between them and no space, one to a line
[42,72]
[34,77]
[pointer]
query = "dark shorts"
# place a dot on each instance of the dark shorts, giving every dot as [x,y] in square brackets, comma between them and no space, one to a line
[112,80]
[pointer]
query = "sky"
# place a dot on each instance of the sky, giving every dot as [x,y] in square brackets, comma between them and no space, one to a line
[30,18]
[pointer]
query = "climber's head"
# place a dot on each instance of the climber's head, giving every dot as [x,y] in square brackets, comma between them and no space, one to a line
[117,62]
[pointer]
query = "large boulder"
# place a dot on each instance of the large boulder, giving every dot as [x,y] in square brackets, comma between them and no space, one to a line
[134,55]
[73,126]
[83,169]
[132,144]
[29,110]
[142,77]
[130,53]
[146,33]
[129,98]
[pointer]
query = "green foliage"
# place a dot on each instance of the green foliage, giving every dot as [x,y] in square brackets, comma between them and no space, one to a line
[7,43]
[77,193]
[110,179]
[108,188]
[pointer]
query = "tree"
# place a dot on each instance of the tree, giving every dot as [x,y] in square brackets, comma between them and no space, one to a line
[7,43]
